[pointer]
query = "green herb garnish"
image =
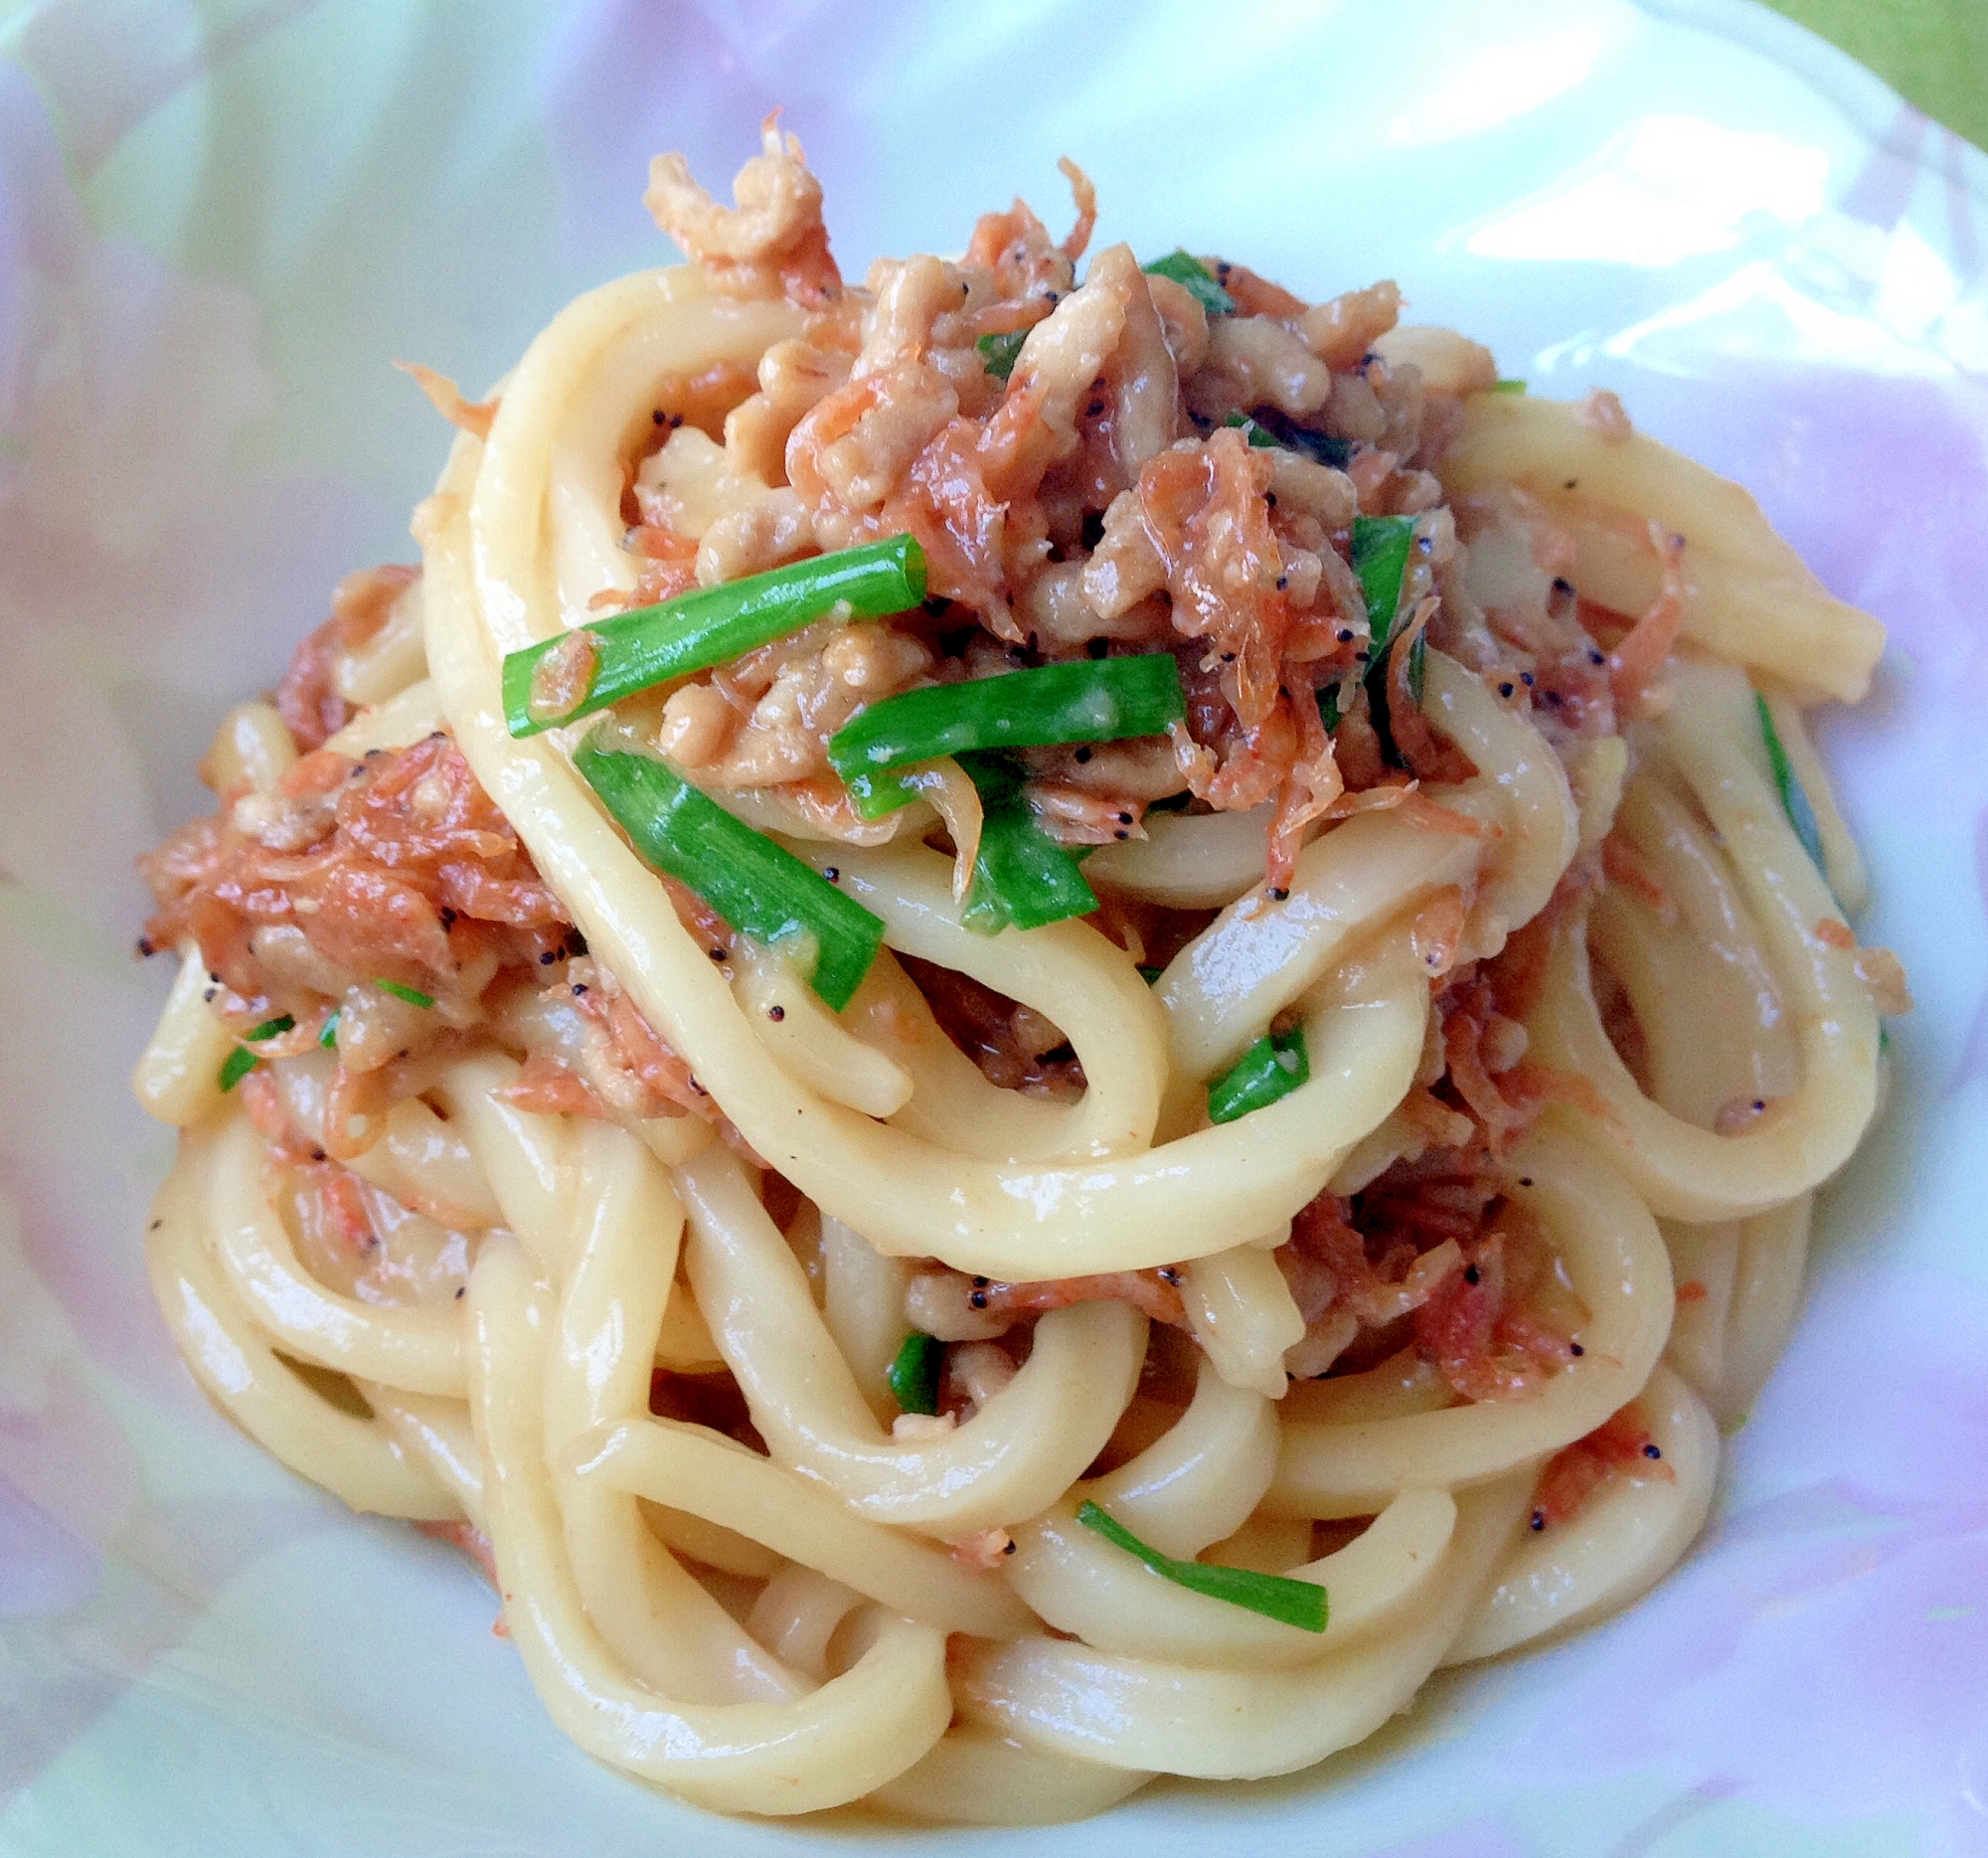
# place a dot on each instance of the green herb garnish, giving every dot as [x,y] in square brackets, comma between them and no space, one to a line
[327,1034]
[1022,878]
[1093,700]
[755,885]
[236,1065]
[270,1029]
[1188,271]
[1508,387]
[1302,1603]
[713,625]
[913,1374]
[413,995]
[999,353]
[1273,1067]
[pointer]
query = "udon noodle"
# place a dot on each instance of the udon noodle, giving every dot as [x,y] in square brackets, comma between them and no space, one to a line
[1386,1177]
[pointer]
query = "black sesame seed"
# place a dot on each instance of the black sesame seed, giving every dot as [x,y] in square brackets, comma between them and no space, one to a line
[448,917]
[1125,820]
[1526,678]
[1524,1180]
[1575,1349]
[977,1299]
[777,1011]
[1283,581]
[1270,498]
[1425,545]
[1277,894]
[459,1291]
[1506,688]
[833,873]
[1080,757]
[208,993]
[717,955]
[145,946]
[1539,1520]
[578,988]
[659,416]
[1346,635]
[1120,833]
[549,958]
[1009,1549]
[1473,1275]
[1228,657]
[1561,585]
[1594,657]
[1760,1106]
[317,1154]
[981,1283]
[1653,1451]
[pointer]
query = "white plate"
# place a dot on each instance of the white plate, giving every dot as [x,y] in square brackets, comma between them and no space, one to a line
[221,221]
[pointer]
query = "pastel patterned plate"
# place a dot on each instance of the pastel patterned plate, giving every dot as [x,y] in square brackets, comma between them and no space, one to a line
[219,219]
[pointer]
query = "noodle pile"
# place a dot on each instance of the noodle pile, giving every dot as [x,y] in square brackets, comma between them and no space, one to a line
[1389,1179]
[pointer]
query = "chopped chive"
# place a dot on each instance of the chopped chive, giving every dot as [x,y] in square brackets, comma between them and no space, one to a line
[1795,798]
[1259,435]
[1149,974]
[1302,1603]
[1381,550]
[1508,387]
[328,1032]
[913,1374]
[1093,700]
[1022,878]
[1381,546]
[1188,271]
[236,1065]
[1273,1067]
[758,887]
[999,353]
[1282,429]
[413,995]
[270,1029]
[652,644]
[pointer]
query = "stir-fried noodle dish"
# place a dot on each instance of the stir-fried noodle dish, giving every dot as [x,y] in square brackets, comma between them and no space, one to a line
[1021,1027]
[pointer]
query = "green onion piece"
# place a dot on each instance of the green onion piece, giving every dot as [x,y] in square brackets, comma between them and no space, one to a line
[1301,1604]
[1022,878]
[236,1065]
[270,1029]
[1259,435]
[714,626]
[1508,387]
[1273,1067]
[1187,269]
[1280,430]
[999,351]
[1093,700]
[1150,976]
[1795,798]
[913,1374]
[756,886]
[413,995]
[328,1034]
[1381,546]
